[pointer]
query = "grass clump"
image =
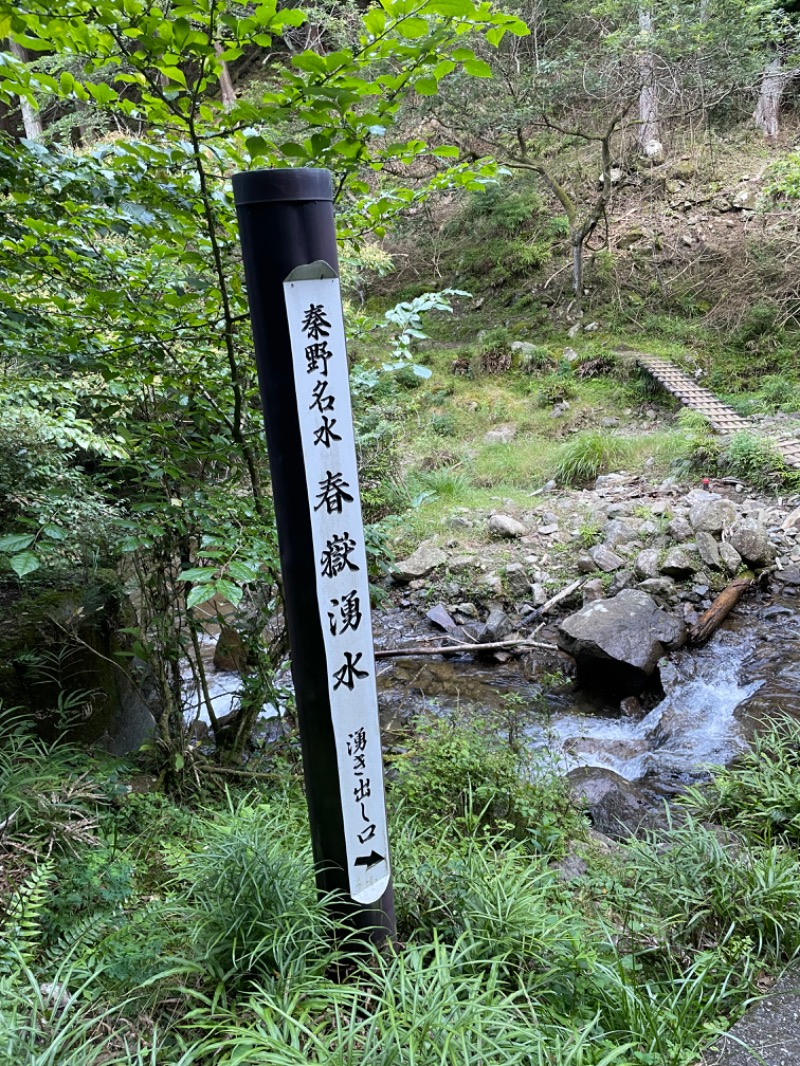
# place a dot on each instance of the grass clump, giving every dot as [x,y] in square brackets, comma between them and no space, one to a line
[588,455]
[760,795]
[756,461]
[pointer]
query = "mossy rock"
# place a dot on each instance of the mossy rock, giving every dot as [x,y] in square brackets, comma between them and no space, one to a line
[59,658]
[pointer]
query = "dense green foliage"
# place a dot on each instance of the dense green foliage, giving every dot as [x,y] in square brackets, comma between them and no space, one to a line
[135,930]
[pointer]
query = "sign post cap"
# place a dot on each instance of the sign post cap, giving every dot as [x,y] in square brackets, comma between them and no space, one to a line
[282,185]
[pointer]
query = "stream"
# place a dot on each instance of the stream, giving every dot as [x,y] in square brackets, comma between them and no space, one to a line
[714,697]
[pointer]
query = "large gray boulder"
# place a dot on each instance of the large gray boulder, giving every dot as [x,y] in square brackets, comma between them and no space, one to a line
[712,515]
[617,642]
[751,541]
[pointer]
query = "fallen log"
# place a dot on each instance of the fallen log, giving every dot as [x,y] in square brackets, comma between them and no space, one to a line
[712,619]
[460,649]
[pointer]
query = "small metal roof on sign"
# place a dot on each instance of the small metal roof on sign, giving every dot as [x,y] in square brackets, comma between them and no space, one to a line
[318,271]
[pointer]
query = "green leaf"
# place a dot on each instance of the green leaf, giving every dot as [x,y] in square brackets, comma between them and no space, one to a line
[477,68]
[426,86]
[242,571]
[232,593]
[16,542]
[447,151]
[413,27]
[200,594]
[201,574]
[25,563]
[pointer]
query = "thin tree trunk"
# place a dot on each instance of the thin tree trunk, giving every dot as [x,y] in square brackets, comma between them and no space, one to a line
[31,122]
[226,89]
[648,136]
[767,112]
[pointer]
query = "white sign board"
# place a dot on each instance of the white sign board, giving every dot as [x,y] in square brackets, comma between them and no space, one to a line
[322,392]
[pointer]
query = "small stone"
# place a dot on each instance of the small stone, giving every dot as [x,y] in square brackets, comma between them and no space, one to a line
[469,610]
[517,579]
[604,559]
[593,590]
[619,532]
[623,579]
[646,564]
[677,564]
[538,594]
[458,521]
[609,423]
[420,563]
[570,355]
[593,327]
[497,627]
[679,529]
[708,549]
[440,617]
[585,564]
[731,560]
[503,525]
[658,586]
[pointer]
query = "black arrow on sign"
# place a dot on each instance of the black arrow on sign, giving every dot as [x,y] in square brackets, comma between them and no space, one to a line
[369,860]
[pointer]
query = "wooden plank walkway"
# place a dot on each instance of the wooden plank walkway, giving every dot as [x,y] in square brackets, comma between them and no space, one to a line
[721,417]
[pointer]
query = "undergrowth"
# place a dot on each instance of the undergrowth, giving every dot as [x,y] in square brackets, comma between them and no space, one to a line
[214,947]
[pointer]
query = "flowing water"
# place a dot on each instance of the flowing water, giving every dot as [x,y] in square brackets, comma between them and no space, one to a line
[713,697]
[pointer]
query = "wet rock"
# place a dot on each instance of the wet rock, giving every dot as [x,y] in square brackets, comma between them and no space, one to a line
[420,563]
[631,707]
[619,532]
[677,564]
[790,575]
[646,564]
[615,806]
[604,559]
[729,557]
[711,515]
[593,590]
[503,525]
[679,529]
[440,617]
[708,549]
[497,627]
[751,541]
[617,642]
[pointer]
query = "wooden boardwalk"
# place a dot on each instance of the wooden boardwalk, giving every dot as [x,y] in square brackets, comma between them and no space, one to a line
[720,416]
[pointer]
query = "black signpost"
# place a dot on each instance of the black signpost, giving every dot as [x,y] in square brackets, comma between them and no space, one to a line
[288,241]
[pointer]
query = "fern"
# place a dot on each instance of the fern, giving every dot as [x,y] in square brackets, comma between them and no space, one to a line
[22,930]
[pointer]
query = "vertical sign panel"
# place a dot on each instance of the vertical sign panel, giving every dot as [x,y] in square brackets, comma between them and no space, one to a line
[322,392]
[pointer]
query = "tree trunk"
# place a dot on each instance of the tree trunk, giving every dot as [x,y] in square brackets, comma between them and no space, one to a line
[767,112]
[577,264]
[648,136]
[31,122]
[226,89]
